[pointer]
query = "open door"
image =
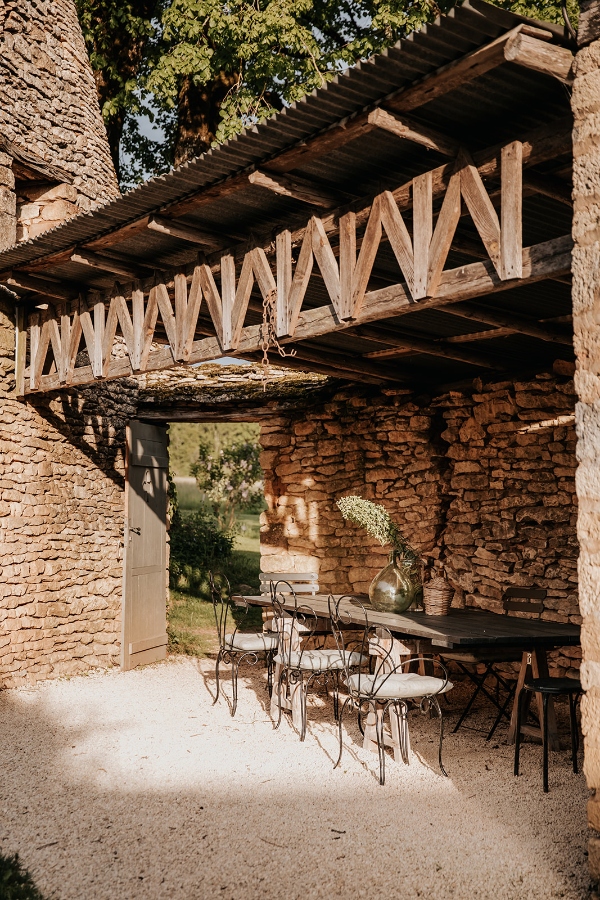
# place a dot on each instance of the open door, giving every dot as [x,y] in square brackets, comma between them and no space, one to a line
[144,630]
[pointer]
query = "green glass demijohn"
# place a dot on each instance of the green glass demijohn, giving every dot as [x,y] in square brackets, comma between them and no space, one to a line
[398,585]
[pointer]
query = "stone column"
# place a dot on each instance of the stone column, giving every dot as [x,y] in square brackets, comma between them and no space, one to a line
[586,322]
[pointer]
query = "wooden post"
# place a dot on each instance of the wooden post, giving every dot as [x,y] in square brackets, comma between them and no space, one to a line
[20,350]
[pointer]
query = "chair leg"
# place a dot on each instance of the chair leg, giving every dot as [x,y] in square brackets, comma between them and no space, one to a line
[217,676]
[336,695]
[545,740]
[279,704]
[270,672]
[339,759]
[520,705]
[436,705]
[574,736]
[380,743]
[303,688]
[234,684]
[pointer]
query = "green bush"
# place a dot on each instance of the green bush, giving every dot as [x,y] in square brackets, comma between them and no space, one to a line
[197,545]
[15,882]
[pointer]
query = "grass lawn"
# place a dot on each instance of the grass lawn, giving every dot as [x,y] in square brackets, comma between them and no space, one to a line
[191,621]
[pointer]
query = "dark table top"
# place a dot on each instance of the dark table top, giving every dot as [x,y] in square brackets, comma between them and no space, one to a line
[460,628]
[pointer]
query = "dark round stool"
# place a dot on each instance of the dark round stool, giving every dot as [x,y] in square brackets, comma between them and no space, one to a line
[549,687]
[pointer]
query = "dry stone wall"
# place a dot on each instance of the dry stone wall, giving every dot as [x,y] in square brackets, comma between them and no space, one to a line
[585,103]
[482,478]
[50,112]
[61,524]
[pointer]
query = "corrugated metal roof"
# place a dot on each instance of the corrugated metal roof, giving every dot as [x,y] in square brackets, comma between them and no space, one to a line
[464,29]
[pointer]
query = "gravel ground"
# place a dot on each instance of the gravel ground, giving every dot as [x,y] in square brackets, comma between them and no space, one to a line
[131,785]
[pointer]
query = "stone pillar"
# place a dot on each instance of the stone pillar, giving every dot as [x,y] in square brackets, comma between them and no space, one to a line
[62,479]
[586,322]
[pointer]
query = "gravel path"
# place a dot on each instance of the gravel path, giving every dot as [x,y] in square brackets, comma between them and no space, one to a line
[130,785]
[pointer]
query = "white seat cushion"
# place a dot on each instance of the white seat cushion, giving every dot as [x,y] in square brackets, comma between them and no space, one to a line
[251,642]
[400,685]
[319,660]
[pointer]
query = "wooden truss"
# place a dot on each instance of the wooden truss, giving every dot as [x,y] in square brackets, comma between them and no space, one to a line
[119,331]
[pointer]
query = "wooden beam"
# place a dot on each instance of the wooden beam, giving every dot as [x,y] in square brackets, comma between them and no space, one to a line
[480,279]
[531,53]
[118,234]
[518,323]
[296,188]
[409,130]
[345,364]
[20,350]
[306,360]
[108,264]
[489,335]
[186,232]
[44,286]
[549,186]
[399,346]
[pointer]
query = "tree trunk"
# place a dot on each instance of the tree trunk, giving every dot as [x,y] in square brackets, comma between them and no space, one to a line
[198,115]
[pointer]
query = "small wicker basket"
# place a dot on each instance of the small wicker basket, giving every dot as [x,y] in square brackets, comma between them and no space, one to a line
[437,596]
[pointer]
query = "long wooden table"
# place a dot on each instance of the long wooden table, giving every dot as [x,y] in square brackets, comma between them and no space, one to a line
[465,629]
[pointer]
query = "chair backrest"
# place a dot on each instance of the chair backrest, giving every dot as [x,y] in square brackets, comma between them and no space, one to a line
[230,612]
[299,582]
[524,599]
[354,636]
[294,623]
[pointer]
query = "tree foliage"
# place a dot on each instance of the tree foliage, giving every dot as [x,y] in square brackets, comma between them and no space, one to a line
[231,479]
[203,69]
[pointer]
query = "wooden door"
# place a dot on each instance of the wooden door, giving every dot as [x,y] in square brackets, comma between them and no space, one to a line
[144,631]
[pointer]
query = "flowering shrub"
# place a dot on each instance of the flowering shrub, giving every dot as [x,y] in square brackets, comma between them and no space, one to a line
[231,479]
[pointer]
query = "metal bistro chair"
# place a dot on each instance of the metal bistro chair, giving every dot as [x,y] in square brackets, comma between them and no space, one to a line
[549,687]
[388,689]
[515,599]
[299,667]
[237,646]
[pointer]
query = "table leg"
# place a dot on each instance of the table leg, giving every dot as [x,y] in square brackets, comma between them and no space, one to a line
[534,664]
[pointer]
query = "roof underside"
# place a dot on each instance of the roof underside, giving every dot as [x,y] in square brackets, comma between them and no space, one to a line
[505,104]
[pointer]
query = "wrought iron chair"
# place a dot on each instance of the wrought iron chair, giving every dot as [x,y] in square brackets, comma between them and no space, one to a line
[235,645]
[386,689]
[515,599]
[299,667]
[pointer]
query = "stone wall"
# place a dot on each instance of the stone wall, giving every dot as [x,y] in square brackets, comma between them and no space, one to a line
[483,478]
[586,323]
[61,524]
[49,113]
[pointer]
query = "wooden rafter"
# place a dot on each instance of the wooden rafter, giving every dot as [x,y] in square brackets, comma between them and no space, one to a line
[297,188]
[128,269]
[406,128]
[512,321]
[190,233]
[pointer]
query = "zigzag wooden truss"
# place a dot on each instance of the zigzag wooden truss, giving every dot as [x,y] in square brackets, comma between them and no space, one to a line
[50,342]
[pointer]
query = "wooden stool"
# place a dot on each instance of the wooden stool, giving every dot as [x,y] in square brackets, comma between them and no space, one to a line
[549,687]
